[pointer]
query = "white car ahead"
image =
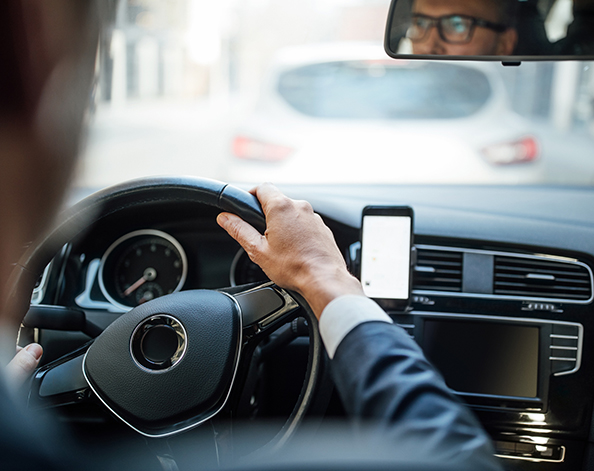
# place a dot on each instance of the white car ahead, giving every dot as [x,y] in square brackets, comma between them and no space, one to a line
[338,112]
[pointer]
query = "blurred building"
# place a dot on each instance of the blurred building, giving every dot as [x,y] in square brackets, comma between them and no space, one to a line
[145,54]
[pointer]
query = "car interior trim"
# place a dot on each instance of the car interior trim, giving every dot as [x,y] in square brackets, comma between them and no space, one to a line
[39,291]
[85,300]
[180,330]
[579,338]
[561,458]
[234,263]
[534,256]
[561,452]
[495,296]
[556,258]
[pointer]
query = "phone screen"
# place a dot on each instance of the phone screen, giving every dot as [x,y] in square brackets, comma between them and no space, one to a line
[386,253]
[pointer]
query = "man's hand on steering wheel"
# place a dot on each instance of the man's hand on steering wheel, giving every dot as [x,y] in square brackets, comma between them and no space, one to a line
[285,252]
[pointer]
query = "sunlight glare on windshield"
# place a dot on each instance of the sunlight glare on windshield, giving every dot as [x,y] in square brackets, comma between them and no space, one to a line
[214,89]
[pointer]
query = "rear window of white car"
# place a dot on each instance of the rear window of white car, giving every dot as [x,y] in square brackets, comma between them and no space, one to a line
[376,90]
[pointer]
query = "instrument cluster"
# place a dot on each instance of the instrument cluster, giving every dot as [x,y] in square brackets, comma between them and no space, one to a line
[141,266]
[146,264]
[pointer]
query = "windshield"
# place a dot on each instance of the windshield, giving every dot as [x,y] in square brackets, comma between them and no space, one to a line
[302,92]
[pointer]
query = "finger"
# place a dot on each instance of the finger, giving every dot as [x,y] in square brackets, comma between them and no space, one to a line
[24,363]
[267,190]
[254,190]
[267,193]
[248,237]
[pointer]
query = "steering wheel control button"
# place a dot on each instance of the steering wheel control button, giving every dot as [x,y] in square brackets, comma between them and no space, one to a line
[158,343]
[64,378]
[258,303]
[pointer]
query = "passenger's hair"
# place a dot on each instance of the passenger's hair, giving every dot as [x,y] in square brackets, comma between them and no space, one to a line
[506,11]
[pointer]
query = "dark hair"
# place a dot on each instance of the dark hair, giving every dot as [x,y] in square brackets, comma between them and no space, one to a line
[506,11]
[16,55]
[12,51]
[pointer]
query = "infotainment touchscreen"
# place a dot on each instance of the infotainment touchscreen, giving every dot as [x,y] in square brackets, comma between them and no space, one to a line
[484,357]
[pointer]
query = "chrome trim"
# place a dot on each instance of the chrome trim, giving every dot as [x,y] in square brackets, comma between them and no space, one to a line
[234,263]
[444,248]
[545,257]
[539,276]
[579,348]
[142,232]
[188,427]
[39,291]
[566,337]
[559,347]
[580,337]
[562,359]
[535,460]
[184,337]
[534,306]
[233,268]
[84,299]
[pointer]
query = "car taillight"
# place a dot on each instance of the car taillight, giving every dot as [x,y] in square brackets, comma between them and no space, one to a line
[504,153]
[253,149]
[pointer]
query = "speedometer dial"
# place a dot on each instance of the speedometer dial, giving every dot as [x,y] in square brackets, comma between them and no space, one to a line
[141,266]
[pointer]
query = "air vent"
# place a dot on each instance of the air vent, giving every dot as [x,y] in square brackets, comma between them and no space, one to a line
[438,270]
[540,278]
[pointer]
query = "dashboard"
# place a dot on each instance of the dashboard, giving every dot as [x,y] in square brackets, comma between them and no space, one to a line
[502,274]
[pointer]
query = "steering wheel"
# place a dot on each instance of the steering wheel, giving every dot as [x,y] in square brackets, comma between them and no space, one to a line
[173,363]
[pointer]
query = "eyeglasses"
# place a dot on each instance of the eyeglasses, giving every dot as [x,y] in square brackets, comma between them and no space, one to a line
[453,29]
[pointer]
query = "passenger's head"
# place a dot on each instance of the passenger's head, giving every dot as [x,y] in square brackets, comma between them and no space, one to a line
[462,27]
[47,52]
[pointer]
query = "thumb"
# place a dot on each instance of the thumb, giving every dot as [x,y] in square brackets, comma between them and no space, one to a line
[23,363]
[248,237]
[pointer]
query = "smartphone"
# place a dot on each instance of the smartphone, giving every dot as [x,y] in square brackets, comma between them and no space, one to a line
[386,254]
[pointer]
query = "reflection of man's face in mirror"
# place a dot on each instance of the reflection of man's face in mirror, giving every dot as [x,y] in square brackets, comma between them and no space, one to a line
[461,28]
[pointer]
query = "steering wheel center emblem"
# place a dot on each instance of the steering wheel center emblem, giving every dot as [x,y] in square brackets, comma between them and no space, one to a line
[158,343]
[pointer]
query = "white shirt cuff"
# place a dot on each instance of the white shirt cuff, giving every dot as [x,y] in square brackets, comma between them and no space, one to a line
[345,313]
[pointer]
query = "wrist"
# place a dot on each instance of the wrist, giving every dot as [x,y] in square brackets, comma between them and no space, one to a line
[320,290]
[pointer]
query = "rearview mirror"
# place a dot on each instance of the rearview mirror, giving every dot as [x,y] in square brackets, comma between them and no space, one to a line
[502,30]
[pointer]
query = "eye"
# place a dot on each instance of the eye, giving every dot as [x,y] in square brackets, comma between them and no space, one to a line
[420,22]
[418,27]
[457,24]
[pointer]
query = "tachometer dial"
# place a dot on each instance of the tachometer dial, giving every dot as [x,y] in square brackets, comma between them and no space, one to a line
[141,266]
[244,271]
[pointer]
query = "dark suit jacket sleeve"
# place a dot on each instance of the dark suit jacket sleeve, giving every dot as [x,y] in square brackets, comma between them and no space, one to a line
[383,378]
